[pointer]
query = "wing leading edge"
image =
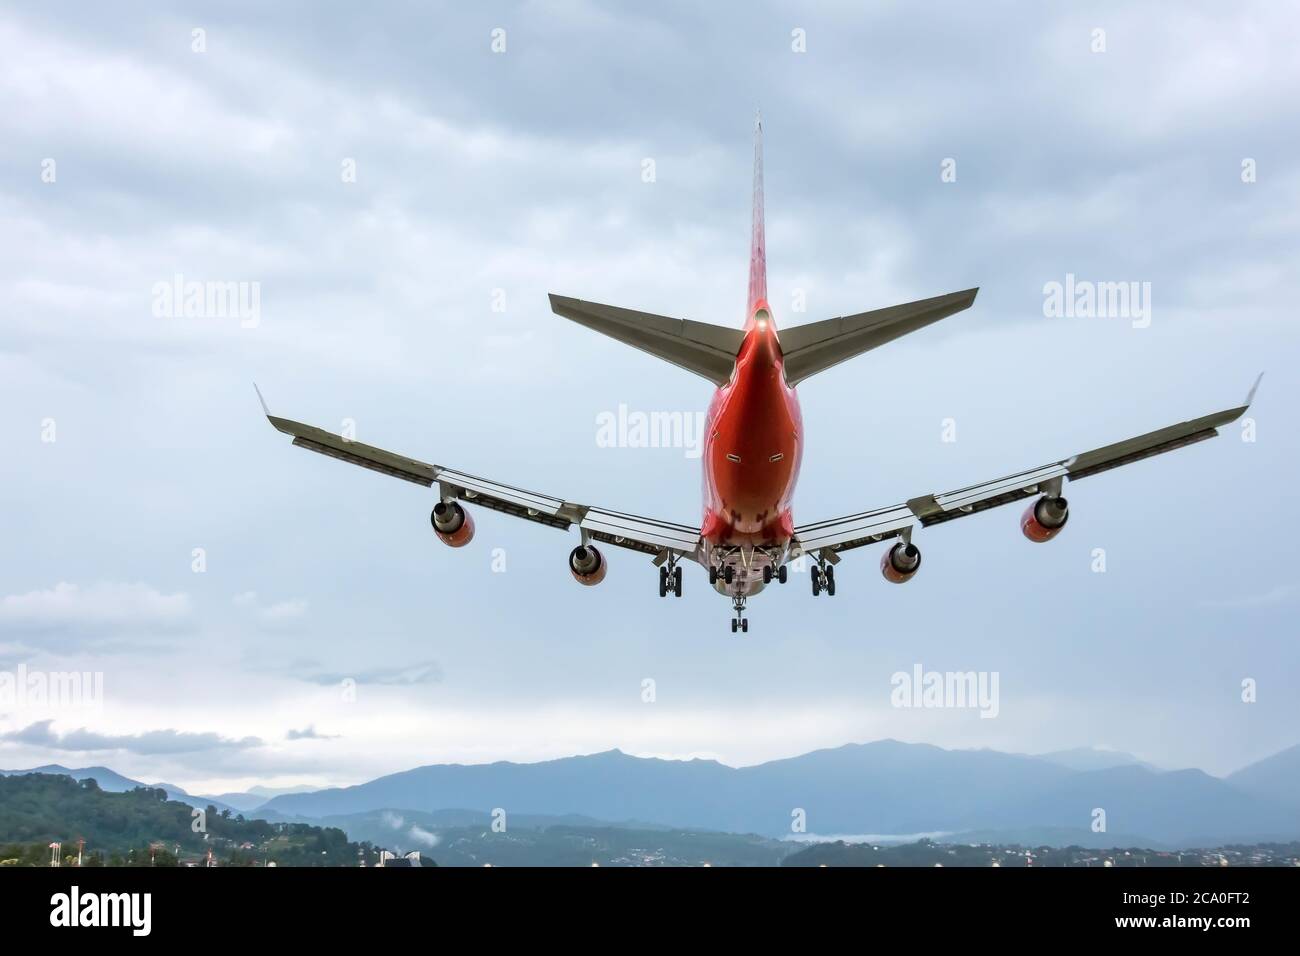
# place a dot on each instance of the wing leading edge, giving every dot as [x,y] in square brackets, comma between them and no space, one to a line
[809,349]
[637,533]
[868,527]
[707,350]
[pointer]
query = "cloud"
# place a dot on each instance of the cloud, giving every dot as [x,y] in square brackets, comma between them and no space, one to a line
[277,613]
[518,172]
[423,836]
[105,605]
[424,672]
[416,832]
[309,733]
[1277,595]
[153,742]
[12,654]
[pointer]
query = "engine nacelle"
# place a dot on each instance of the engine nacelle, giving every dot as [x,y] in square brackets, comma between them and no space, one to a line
[587,565]
[900,563]
[1044,519]
[452,523]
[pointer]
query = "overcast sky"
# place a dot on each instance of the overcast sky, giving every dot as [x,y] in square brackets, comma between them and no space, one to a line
[487,179]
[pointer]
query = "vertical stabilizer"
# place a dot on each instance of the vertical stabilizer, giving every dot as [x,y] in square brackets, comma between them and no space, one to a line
[757,243]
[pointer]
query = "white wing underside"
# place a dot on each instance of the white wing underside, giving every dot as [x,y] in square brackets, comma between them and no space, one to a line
[635,532]
[659,538]
[867,527]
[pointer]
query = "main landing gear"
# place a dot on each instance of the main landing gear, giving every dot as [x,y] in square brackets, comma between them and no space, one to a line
[740,622]
[722,571]
[670,578]
[823,578]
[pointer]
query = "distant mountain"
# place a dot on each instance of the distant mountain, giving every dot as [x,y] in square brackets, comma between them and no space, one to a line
[1175,808]
[421,830]
[882,788]
[1081,836]
[1273,778]
[266,793]
[110,781]
[143,827]
[886,787]
[604,786]
[1038,854]
[1091,758]
[243,802]
[254,797]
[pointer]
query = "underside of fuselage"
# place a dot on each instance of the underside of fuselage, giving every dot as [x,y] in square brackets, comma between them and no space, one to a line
[752,450]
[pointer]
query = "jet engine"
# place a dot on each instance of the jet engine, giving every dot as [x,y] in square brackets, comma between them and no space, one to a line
[587,565]
[452,523]
[1045,518]
[900,563]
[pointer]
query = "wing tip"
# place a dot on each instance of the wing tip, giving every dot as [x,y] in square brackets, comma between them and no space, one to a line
[266,410]
[559,302]
[1250,396]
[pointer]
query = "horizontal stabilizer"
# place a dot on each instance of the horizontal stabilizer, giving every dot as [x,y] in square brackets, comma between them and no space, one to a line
[707,350]
[813,348]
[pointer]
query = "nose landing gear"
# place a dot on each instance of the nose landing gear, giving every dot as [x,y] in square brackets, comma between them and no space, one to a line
[740,622]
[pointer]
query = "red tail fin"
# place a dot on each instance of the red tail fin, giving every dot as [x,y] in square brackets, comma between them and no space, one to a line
[757,243]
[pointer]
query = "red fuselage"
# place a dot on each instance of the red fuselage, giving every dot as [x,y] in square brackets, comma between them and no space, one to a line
[753,440]
[752,446]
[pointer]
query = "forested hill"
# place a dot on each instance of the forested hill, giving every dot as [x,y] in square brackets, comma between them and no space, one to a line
[138,825]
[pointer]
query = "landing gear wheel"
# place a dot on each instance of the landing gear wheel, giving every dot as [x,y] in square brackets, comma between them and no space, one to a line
[677,582]
[663,582]
[713,575]
[729,574]
[782,574]
[816,582]
[739,622]
[830,581]
[767,574]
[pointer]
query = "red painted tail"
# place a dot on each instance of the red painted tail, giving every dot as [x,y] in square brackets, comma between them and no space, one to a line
[757,244]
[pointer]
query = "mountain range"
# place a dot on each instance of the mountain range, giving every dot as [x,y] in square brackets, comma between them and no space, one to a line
[886,787]
[869,790]
[111,781]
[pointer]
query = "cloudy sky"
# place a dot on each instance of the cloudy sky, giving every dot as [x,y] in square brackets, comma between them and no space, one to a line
[404,196]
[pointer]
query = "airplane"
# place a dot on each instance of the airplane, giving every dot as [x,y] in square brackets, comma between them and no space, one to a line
[752,452]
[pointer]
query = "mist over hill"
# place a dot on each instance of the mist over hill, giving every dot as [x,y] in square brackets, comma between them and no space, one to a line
[879,788]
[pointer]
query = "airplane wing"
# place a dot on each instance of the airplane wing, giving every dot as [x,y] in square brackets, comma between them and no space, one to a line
[647,535]
[707,350]
[809,349]
[868,527]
